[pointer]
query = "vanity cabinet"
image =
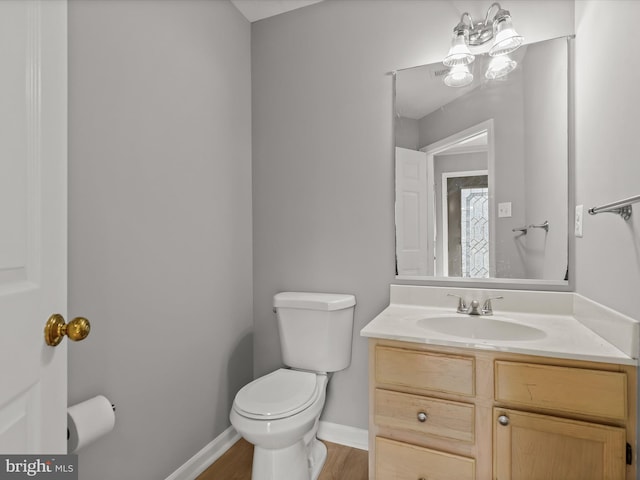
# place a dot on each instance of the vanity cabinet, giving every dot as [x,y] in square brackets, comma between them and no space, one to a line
[451,413]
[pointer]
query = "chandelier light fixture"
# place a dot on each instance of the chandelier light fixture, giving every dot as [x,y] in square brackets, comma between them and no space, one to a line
[496,26]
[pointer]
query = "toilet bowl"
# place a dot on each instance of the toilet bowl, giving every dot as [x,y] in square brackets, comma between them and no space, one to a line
[279,412]
[281,422]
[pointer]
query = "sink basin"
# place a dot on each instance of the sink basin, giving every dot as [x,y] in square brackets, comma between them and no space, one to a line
[478,327]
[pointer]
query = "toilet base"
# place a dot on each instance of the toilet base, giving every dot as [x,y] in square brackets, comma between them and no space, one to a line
[317,457]
[297,462]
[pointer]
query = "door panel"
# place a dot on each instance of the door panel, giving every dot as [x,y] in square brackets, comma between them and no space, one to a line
[412,211]
[33,223]
[534,447]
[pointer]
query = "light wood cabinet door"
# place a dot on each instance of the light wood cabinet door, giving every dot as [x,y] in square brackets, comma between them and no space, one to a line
[541,447]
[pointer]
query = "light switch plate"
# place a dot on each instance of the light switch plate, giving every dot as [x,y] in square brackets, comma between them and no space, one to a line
[504,209]
[578,225]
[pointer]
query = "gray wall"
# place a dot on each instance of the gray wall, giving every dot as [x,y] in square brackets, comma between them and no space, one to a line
[323,154]
[407,133]
[159,225]
[545,166]
[607,146]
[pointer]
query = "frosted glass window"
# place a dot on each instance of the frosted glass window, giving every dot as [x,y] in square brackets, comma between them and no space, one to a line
[475,232]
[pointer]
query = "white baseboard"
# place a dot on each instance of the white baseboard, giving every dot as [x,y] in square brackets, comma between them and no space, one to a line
[344,435]
[331,432]
[205,457]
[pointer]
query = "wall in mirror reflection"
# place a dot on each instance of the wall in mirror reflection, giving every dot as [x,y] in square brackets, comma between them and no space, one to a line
[475,163]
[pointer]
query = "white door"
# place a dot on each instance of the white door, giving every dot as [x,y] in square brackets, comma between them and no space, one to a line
[412,216]
[33,224]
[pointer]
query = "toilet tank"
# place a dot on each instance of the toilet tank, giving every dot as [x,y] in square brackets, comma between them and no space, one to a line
[316,329]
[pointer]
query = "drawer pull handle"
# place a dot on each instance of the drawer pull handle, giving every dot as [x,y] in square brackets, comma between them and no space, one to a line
[503,420]
[422,417]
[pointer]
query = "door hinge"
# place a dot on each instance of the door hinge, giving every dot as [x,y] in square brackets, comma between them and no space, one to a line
[629,455]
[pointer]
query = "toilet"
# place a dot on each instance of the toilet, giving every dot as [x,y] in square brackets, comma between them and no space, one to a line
[279,412]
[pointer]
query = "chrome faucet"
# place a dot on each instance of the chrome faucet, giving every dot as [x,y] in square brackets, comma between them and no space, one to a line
[486,308]
[474,307]
[462,307]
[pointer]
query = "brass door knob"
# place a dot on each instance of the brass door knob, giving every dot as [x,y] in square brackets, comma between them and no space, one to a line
[55,329]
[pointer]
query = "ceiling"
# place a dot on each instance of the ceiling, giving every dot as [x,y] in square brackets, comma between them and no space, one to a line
[255,10]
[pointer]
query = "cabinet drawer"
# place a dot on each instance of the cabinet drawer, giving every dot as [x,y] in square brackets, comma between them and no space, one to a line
[401,461]
[443,418]
[425,371]
[575,390]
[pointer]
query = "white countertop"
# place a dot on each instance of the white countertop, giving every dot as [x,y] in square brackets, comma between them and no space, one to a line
[562,335]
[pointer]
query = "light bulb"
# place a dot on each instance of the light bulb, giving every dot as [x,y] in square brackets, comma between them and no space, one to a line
[499,67]
[506,39]
[459,53]
[458,76]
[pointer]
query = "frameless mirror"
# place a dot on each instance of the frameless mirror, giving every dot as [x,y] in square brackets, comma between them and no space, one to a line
[482,170]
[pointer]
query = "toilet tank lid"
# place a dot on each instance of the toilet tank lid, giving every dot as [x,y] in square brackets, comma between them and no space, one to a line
[314,301]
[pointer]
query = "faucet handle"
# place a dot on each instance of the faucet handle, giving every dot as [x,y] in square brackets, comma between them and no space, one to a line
[462,307]
[486,307]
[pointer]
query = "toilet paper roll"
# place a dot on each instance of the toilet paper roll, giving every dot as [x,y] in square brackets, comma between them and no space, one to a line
[88,421]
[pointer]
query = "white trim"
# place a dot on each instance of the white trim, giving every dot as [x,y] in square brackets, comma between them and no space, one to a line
[344,435]
[205,457]
[444,144]
[331,432]
[464,150]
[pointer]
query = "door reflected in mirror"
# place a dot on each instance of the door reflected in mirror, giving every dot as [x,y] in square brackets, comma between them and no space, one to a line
[476,164]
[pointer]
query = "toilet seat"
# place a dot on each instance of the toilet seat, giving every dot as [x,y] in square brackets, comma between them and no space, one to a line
[279,394]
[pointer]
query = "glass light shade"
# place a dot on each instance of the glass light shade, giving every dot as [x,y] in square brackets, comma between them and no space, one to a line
[458,76]
[506,39]
[459,53]
[499,67]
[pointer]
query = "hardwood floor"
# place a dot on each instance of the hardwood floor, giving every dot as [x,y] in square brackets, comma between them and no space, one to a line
[343,463]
